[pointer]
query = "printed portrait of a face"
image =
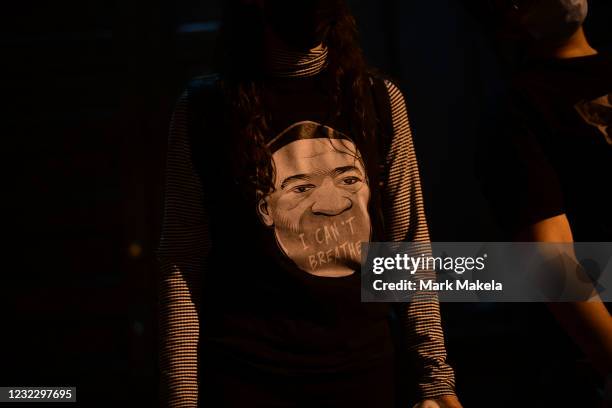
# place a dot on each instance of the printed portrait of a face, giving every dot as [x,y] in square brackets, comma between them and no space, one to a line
[319,205]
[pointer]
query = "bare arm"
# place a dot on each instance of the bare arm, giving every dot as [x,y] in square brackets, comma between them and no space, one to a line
[588,323]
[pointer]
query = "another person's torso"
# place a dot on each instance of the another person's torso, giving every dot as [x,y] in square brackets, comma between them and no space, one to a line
[568,104]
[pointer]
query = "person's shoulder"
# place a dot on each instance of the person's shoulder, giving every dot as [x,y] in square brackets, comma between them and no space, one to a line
[526,78]
[390,86]
[523,85]
[390,82]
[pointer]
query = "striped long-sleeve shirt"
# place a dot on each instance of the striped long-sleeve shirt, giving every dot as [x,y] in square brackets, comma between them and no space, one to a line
[185,243]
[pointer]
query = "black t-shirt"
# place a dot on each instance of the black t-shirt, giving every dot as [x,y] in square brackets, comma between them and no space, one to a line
[550,153]
[553,152]
[279,292]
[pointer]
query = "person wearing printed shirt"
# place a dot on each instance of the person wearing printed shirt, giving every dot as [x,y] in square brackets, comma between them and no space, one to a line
[275,175]
[555,149]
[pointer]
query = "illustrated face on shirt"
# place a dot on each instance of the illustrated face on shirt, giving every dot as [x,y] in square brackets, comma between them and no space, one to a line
[319,208]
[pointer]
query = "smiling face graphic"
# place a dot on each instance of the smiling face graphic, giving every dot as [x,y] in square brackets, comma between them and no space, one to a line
[319,207]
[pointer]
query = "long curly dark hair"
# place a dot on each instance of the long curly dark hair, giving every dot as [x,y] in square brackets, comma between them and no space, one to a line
[239,60]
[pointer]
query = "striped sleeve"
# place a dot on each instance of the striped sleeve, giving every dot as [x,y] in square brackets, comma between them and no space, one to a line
[404,210]
[183,245]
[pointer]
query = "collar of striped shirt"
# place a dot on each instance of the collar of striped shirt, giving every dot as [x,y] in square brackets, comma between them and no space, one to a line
[293,64]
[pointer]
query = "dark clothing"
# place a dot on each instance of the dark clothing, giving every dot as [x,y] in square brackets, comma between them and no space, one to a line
[257,300]
[232,384]
[550,155]
[269,279]
[554,150]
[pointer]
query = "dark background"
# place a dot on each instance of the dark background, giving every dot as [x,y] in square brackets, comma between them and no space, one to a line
[88,87]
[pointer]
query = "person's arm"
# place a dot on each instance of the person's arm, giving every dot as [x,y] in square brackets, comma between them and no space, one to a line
[588,323]
[405,216]
[181,252]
